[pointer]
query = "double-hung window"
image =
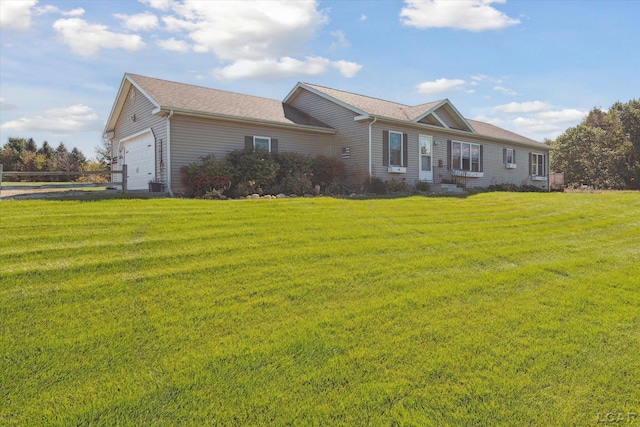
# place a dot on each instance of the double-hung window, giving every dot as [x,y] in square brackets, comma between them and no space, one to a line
[538,165]
[466,157]
[265,143]
[262,142]
[509,158]
[395,149]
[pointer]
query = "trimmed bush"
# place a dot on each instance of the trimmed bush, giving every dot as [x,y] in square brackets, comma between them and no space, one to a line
[295,174]
[253,171]
[329,173]
[374,185]
[208,176]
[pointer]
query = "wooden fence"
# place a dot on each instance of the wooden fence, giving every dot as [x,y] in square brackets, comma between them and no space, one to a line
[122,182]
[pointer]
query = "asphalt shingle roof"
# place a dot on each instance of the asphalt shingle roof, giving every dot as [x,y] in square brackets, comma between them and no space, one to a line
[199,99]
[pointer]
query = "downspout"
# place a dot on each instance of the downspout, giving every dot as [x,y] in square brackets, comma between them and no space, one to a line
[370,124]
[169,190]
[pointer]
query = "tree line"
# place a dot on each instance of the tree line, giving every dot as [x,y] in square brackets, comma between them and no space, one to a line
[24,155]
[603,151]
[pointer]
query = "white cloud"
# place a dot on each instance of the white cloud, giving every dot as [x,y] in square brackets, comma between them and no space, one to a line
[283,67]
[174,24]
[235,30]
[362,18]
[492,120]
[562,116]
[472,15]
[16,14]
[256,39]
[505,90]
[174,45]
[139,22]
[440,85]
[522,107]
[341,40]
[74,12]
[59,121]
[87,39]
[528,125]
[347,68]
[158,4]
[5,106]
[54,9]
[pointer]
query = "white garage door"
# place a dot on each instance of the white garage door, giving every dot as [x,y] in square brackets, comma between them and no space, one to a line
[140,158]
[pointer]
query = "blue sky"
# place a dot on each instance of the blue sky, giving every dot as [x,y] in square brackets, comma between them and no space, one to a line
[534,67]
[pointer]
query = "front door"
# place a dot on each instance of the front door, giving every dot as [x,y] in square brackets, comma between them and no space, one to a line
[425,146]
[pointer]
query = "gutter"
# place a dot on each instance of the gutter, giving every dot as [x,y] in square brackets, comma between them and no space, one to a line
[307,128]
[169,190]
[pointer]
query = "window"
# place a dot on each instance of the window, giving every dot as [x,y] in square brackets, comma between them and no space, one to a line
[509,158]
[262,142]
[538,165]
[466,156]
[395,149]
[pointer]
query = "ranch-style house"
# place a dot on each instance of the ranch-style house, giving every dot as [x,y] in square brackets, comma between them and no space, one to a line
[157,126]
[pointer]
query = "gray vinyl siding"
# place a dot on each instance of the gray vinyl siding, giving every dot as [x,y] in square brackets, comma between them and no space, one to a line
[139,105]
[193,138]
[494,169]
[349,133]
[446,117]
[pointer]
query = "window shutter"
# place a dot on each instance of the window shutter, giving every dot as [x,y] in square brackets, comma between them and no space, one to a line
[504,155]
[448,154]
[405,150]
[385,148]
[530,161]
[248,142]
[544,165]
[274,146]
[514,156]
[481,160]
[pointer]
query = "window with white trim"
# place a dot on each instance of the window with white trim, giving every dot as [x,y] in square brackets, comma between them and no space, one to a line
[262,142]
[509,157]
[395,149]
[538,165]
[465,156]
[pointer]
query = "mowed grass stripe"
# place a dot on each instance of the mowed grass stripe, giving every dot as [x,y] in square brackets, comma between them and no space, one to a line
[497,309]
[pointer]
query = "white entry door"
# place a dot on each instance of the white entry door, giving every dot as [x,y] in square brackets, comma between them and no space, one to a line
[140,158]
[425,146]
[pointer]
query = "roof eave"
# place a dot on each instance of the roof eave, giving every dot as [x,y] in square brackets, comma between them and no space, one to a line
[166,110]
[533,144]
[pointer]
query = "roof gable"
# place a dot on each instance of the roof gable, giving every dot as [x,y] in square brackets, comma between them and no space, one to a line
[437,113]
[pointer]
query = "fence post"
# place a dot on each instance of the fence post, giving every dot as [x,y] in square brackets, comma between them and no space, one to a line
[124,178]
[0,179]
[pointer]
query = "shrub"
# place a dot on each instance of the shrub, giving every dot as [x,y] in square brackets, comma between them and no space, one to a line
[395,186]
[295,174]
[329,172]
[515,188]
[422,187]
[374,185]
[253,170]
[210,175]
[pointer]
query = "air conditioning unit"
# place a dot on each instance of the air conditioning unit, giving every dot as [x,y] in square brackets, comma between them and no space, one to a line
[510,165]
[397,169]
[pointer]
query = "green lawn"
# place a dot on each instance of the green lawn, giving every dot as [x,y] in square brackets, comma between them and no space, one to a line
[497,309]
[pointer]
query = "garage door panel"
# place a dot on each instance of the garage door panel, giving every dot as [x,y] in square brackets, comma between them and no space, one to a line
[139,156]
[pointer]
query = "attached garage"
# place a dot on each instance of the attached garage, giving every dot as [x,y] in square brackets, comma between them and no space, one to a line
[139,154]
